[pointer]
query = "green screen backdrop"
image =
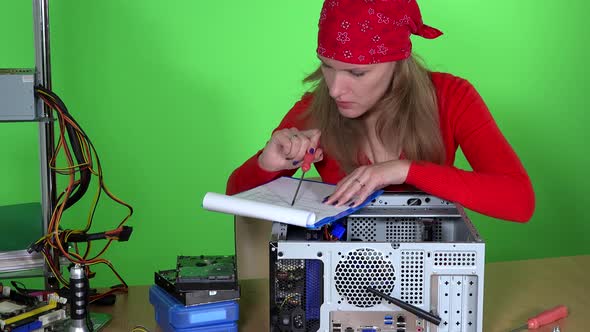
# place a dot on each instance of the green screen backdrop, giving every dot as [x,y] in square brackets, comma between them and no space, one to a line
[176,94]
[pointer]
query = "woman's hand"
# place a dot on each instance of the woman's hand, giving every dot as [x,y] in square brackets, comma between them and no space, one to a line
[358,185]
[287,147]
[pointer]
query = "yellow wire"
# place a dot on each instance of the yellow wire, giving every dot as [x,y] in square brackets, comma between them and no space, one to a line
[56,273]
[286,298]
[53,238]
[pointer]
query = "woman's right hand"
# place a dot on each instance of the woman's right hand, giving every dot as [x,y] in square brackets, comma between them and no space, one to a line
[287,147]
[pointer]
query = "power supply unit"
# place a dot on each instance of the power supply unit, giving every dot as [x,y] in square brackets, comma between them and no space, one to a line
[17,95]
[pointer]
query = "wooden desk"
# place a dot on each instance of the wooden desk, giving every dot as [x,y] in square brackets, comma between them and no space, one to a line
[514,291]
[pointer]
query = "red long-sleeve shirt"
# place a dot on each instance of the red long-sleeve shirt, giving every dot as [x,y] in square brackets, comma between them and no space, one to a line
[498,185]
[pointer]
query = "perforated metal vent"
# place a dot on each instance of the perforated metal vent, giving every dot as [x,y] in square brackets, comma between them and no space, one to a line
[360,269]
[454,258]
[437,231]
[412,276]
[393,229]
[363,229]
[403,230]
[297,293]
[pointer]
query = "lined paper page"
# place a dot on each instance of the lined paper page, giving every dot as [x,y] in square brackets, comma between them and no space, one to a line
[272,201]
[257,209]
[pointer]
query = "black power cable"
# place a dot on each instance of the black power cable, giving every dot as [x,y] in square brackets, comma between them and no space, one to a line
[85,174]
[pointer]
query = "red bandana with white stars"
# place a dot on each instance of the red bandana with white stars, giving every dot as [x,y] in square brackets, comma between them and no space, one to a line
[370,31]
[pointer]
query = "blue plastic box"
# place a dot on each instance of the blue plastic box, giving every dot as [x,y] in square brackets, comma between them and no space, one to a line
[173,316]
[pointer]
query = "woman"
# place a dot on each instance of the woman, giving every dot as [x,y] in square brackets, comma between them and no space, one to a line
[378,119]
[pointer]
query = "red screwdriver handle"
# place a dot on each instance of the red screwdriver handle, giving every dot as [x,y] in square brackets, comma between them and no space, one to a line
[547,316]
[308,159]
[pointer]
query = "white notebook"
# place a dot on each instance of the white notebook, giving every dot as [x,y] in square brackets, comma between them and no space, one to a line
[272,201]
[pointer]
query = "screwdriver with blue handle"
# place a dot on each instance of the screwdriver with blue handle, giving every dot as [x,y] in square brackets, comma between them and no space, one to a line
[307,160]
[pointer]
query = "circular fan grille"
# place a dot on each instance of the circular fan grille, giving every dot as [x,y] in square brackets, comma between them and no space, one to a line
[364,268]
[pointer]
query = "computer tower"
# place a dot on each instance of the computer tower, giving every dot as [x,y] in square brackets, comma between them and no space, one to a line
[414,247]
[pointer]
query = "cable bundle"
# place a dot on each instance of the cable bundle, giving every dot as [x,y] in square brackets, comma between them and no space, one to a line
[82,163]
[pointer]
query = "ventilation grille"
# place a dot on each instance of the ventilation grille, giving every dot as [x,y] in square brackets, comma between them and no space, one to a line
[360,269]
[437,233]
[412,277]
[384,229]
[395,230]
[298,293]
[403,230]
[290,275]
[363,229]
[454,258]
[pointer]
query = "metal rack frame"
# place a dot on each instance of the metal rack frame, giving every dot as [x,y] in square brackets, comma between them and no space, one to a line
[29,265]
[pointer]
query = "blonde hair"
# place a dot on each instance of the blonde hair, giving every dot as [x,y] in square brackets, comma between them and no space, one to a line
[408,118]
